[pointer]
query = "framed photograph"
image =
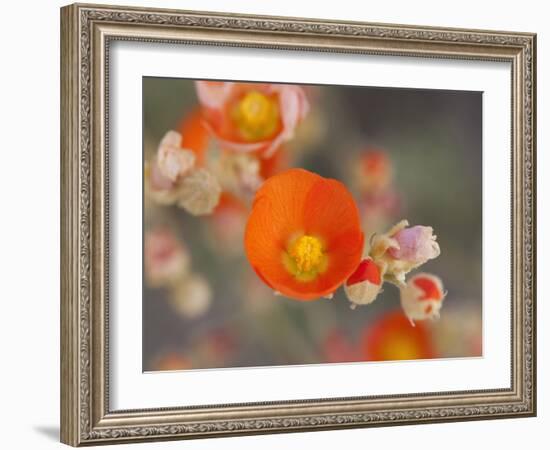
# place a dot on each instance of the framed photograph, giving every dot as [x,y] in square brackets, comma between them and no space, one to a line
[276,225]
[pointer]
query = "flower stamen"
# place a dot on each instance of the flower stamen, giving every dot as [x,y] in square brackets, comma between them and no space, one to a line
[307,252]
[305,257]
[256,116]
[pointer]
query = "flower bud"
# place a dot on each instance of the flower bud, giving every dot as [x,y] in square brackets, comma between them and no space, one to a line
[192,296]
[165,258]
[374,170]
[422,297]
[157,187]
[239,173]
[199,192]
[416,244]
[403,249]
[364,285]
[172,160]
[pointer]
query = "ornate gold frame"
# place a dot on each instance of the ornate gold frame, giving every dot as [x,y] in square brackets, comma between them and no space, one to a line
[86,31]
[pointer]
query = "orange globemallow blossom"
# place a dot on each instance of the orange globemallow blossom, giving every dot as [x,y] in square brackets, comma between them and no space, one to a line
[375,170]
[194,135]
[392,337]
[303,236]
[252,117]
[172,361]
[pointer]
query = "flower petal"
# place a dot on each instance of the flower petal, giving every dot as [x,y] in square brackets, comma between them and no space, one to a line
[392,337]
[286,194]
[331,213]
[194,135]
[172,160]
[213,94]
[416,244]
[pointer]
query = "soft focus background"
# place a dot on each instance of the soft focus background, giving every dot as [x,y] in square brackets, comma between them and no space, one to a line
[427,145]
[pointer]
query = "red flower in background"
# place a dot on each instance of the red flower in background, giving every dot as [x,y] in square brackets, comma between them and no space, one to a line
[392,337]
[194,135]
[252,117]
[375,169]
[219,345]
[338,348]
[165,258]
[379,201]
[172,361]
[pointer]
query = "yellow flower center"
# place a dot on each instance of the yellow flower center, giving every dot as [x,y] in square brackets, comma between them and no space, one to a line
[400,347]
[305,258]
[256,116]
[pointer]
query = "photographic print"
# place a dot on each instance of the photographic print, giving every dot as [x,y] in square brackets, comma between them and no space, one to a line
[316,207]
[290,224]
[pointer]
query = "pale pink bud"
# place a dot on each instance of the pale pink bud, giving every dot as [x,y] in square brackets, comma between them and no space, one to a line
[422,297]
[192,296]
[172,160]
[157,181]
[416,245]
[403,249]
[158,188]
[213,94]
[165,258]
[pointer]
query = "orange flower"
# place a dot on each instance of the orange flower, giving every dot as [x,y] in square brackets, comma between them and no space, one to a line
[303,236]
[251,117]
[172,361]
[394,338]
[194,135]
[375,170]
